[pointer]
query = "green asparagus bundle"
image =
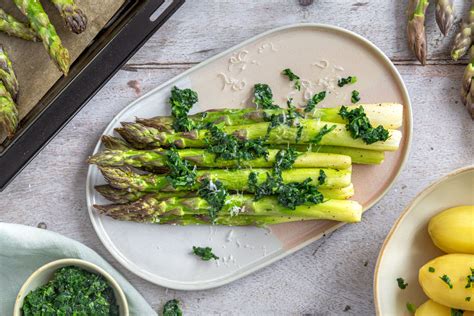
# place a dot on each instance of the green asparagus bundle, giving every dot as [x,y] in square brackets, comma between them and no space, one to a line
[75,19]
[8,113]
[310,129]
[126,195]
[467,90]
[150,209]
[233,180]
[416,28]
[199,157]
[13,27]
[39,21]
[389,115]
[444,15]
[463,40]
[7,75]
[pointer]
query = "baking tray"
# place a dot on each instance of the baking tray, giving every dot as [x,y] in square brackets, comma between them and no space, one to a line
[123,35]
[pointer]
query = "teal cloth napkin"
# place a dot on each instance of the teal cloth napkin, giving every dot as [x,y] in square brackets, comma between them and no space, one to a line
[24,249]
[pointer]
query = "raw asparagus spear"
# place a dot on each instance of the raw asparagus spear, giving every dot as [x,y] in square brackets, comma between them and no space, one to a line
[150,137]
[7,75]
[13,27]
[75,19]
[8,114]
[233,180]
[202,158]
[39,21]
[125,196]
[467,90]
[444,15]
[463,40]
[389,115]
[150,209]
[416,28]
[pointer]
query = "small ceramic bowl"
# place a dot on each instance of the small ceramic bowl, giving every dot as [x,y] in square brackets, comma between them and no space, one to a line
[45,274]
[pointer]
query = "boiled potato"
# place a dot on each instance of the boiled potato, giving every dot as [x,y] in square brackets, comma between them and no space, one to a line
[444,280]
[431,308]
[453,230]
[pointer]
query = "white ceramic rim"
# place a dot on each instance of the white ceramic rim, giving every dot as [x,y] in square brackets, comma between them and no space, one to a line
[78,263]
[420,196]
[209,285]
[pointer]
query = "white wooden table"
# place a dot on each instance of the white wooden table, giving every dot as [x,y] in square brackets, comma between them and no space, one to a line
[325,277]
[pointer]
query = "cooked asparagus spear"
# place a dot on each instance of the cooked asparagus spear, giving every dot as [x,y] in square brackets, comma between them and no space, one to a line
[202,158]
[39,21]
[75,19]
[150,209]
[463,40]
[149,137]
[444,15]
[233,180]
[467,90]
[416,28]
[13,27]
[389,115]
[125,196]
[8,113]
[7,75]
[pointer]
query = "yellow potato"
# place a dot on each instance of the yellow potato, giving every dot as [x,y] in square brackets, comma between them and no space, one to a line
[431,308]
[444,280]
[453,230]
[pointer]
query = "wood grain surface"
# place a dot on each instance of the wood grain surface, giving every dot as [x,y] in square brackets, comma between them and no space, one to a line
[330,277]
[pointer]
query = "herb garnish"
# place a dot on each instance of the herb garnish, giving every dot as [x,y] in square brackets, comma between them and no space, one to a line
[284,159]
[172,308]
[181,173]
[293,194]
[359,126]
[349,80]
[290,119]
[72,291]
[205,253]
[446,280]
[355,96]
[431,269]
[470,279]
[323,131]
[215,195]
[263,96]
[456,312]
[181,101]
[299,133]
[292,77]
[322,177]
[229,147]
[411,308]
[467,299]
[317,98]
[401,283]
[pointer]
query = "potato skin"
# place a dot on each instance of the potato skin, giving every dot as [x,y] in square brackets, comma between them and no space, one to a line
[431,308]
[457,268]
[452,230]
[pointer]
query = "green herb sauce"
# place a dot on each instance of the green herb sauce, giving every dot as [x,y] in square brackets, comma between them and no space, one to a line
[359,126]
[315,100]
[205,253]
[349,80]
[263,96]
[401,283]
[292,77]
[181,101]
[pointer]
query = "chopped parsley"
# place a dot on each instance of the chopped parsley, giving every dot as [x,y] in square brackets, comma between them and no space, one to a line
[215,195]
[401,283]
[263,96]
[299,133]
[431,269]
[470,279]
[359,126]
[72,291]
[181,101]
[322,177]
[317,98]
[446,280]
[293,194]
[323,131]
[229,147]
[181,173]
[467,299]
[284,159]
[172,308]
[290,119]
[411,308]
[349,80]
[355,96]
[456,312]
[292,77]
[205,253]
